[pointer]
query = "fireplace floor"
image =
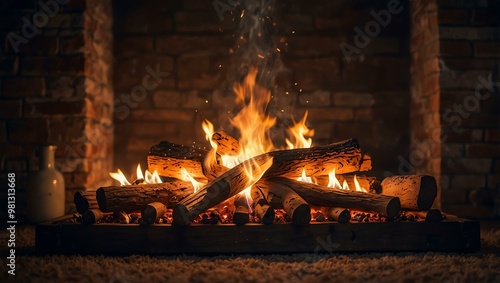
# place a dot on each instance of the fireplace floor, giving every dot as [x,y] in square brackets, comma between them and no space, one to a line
[62,236]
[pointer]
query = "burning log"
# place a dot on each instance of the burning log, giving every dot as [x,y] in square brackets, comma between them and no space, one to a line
[316,195]
[341,215]
[279,195]
[134,197]
[85,201]
[241,213]
[226,144]
[371,184]
[262,209]
[151,212]
[416,192]
[344,157]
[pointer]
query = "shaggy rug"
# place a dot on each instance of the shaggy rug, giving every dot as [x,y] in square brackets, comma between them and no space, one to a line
[483,266]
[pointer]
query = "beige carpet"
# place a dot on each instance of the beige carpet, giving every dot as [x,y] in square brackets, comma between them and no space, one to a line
[483,266]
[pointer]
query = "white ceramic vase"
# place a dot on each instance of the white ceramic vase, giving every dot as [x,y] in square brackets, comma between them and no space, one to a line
[46,191]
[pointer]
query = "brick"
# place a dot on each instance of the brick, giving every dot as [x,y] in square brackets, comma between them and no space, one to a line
[468,63]
[68,130]
[492,135]
[11,108]
[66,86]
[466,165]
[319,98]
[468,181]
[39,45]
[461,79]
[482,150]
[73,20]
[314,45]
[167,98]
[9,65]
[487,49]
[454,48]
[452,150]
[197,21]
[469,211]
[462,136]
[380,45]
[469,33]
[331,114]
[76,180]
[73,45]
[148,129]
[73,65]
[162,115]
[40,108]
[485,17]
[365,114]
[493,181]
[24,87]
[298,22]
[140,143]
[28,130]
[353,99]
[194,99]
[453,17]
[178,44]
[458,196]
[130,45]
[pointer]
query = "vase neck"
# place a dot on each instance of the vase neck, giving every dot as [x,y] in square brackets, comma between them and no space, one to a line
[47,156]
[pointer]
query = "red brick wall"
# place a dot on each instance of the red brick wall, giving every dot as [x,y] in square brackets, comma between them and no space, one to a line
[425,147]
[364,96]
[56,87]
[470,106]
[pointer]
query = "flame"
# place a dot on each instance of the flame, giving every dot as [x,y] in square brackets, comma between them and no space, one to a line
[151,178]
[188,178]
[304,178]
[119,177]
[345,186]
[299,131]
[333,182]
[358,187]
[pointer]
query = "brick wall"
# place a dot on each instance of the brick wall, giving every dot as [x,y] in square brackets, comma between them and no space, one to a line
[365,95]
[469,33]
[425,147]
[56,87]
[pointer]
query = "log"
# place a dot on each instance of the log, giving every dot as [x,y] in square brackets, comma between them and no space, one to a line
[92,216]
[317,195]
[133,197]
[241,213]
[85,200]
[226,144]
[151,212]
[341,215]
[279,195]
[262,209]
[416,192]
[433,215]
[344,157]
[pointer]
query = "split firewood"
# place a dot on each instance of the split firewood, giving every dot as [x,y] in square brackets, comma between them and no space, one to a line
[93,215]
[226,144]
[85,200]
[133,197]
[433,215]
[416,192]
[151,212]
[241,214]
[341,215]
[262,209]
[279,195]
[344,157]
[317,195]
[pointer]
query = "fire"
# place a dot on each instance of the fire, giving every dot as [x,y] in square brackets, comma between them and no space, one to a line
[334,183]
[188,178]
[305,178]
[146,178]
[299,132]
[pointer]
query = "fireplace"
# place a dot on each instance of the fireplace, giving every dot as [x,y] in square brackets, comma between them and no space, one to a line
[415,82]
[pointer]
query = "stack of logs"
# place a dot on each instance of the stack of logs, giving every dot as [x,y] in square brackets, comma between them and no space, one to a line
[276,187]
